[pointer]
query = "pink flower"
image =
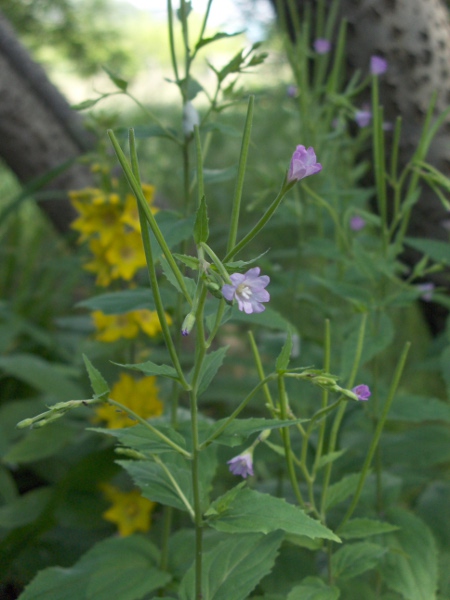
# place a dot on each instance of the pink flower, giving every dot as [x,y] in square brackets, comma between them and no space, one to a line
[378,65]
[362,391]
[248,290]
[363,117]
[427,290]
[303,164]
[357,223]
[292,91]
[322,46]
[242,464]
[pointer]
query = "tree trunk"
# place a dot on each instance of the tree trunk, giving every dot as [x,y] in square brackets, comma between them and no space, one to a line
[38,129]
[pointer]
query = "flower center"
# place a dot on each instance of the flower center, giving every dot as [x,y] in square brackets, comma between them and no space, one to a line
[244,291]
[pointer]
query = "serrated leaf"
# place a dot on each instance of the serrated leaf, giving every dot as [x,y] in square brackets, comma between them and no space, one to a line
[240,429]
[234,567]
[354,559]
[99,385]
[361,528]
[120,568]
[340,491]
[313,588]
[250,511]
[151,368]
[411,568]
[214,38]
[285,354]
[438,251]
[142,439]
[201,228]
[211,364]
[120,83]
[189,261]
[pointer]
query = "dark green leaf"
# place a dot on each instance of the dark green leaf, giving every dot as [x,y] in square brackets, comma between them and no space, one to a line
[340,491]
[189,261]
[150,368]
[120,83]
[25,509]
[142,439]
[234,567]
[285,354]
[438,251]
[40,443]
[214,38]
[250,511]
[240,429]
[212,363]
[417,409]
[313,588]
[120,568]
[361,528]
[353,559]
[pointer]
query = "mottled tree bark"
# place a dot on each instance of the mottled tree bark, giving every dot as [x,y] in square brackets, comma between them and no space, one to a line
[38,129]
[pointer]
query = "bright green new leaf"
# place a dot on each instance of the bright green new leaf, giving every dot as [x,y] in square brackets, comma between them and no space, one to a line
[250,511]
[99,385]
[285,354]
[234,567]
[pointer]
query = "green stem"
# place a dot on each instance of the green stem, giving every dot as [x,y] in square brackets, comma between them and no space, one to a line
[137,190]
[377,434]
[175,485]
[172,40]
[287,441]
[235,210]
[261,373]
[325,396]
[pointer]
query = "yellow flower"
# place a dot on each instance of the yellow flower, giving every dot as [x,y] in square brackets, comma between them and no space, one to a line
[130,214]
[100,264]
[99,217]
[111,328]
[140,396]
[149,322]
[126,254]
[130,511]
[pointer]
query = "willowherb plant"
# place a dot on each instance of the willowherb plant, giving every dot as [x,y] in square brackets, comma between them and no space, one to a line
[219,539]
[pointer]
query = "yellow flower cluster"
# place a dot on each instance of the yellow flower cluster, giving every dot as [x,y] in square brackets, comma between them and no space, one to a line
[112,229]
[141,396]
[129,511]
[111,328]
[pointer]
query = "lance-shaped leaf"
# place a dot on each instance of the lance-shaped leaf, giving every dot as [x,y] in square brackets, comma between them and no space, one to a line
[151,368]
[285,354]
[201,227]
[99,385]
[212,363]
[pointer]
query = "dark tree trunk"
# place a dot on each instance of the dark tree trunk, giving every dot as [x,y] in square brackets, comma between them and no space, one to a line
[38,129]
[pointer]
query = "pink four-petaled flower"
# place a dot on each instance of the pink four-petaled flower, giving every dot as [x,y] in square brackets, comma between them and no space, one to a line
[303,164]
[242,464]
[248,290]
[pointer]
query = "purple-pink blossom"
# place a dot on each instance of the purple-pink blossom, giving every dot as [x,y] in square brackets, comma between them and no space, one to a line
[303,164]
[242,464]
[362,392]
[426,290]
[363,117]
[248,290]
[292,91]
[322,46]
[378,65]
[357,223]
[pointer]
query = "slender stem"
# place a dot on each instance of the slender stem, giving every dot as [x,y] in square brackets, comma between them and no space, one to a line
[172,40]
[377,434]
[325,396]
[259,368]
[175,485]
[152,272]
[146,424]
[137,190]
[235,210]
[287,441]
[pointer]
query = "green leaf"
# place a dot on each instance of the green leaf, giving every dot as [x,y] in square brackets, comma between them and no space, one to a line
[40,443]
[353,559]
[416,409]
[250,511]
[120,568]
[45,376]
[25,509]
[361,528]
[285,354]
[157,486]
[211,364]
[190,283]
[8,488]
[411,568]
[201,228]
[438,251]
[214,38]
[174,228]
[120,83]
[88,103]
[269,318]
[117,303]
[234,567]
[190,261]
[313,588]
[240,429]
[219,175]
[340,491]
[233,66]
[142,439]
[330,457]
[421,447]
[99,385]
[151,368]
